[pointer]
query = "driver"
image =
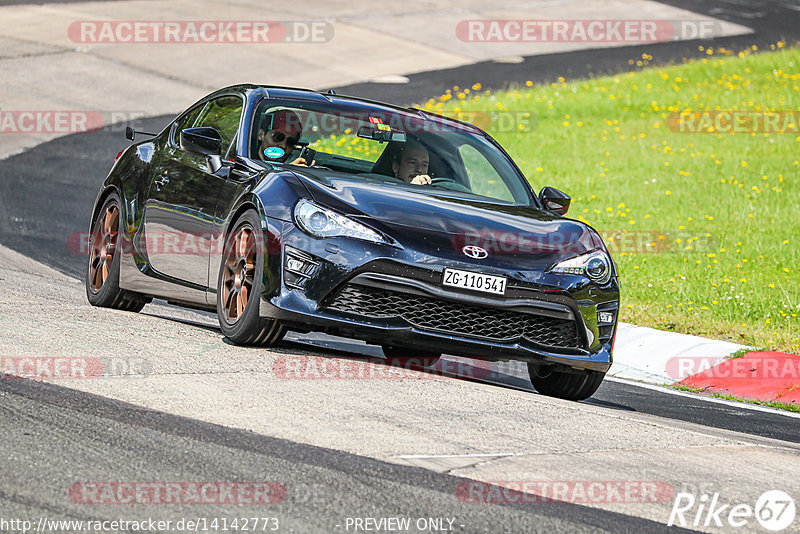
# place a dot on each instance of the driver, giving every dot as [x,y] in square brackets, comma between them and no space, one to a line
[283,130]
[411,164]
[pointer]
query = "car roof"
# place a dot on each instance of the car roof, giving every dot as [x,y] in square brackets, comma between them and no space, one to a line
[353,102]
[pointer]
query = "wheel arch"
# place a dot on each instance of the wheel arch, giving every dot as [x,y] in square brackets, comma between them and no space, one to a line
[102,196]
[247,202]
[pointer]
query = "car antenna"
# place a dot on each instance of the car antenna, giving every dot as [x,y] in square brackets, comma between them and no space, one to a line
[130,133]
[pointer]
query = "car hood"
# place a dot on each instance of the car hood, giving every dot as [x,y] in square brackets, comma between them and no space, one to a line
[447,221]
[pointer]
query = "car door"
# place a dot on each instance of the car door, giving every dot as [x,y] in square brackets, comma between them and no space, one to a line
[179,212]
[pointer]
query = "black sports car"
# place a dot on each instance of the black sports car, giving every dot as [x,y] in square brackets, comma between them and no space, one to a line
[292,209]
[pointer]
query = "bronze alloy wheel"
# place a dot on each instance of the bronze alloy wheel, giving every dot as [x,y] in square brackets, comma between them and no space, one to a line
[241,284]
[103,268]
[239,274]
[104,242]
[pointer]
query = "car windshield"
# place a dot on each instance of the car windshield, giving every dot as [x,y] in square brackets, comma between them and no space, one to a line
[393,148]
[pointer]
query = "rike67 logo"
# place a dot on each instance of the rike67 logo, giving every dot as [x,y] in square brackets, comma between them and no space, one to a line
[774,510]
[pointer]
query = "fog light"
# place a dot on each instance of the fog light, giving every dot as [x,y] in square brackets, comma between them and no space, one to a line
[605,318]
[294,264]
[299,266]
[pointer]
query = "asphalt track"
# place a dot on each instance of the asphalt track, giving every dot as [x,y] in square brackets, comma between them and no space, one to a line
[100,439]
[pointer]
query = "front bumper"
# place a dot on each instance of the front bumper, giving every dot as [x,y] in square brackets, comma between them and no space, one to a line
[302,298]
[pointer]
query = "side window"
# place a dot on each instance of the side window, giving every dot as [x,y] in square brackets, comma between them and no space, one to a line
[223,114]
[187,121]
[483,178]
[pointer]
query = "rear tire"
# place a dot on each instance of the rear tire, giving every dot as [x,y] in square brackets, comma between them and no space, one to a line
[407,357]
[102,269]
[565,385]
[241,283]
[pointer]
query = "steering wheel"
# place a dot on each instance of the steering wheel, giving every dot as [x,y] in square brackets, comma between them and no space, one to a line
[449,183]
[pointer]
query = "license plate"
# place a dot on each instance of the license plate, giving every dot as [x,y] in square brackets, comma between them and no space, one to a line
[475,281]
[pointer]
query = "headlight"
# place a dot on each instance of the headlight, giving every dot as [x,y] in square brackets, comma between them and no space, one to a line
[594,265]
[322,222]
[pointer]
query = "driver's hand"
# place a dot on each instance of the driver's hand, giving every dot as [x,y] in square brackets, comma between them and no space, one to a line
[421,179]
[302,161]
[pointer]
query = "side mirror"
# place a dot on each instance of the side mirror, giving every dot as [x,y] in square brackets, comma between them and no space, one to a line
[554,200]
[203,141]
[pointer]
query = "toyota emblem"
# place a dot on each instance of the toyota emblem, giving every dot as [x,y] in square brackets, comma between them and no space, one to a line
[474,251]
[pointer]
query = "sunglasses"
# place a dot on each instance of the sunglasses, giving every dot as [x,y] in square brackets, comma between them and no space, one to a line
[279,137]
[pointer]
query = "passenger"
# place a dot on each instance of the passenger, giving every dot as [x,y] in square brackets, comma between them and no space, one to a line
[411,164]
[284,129]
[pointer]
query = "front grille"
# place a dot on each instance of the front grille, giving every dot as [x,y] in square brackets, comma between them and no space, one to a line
[427,313]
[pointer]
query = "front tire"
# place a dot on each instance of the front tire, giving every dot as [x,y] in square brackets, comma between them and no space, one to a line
[102,270]
[565,385]
[241,283]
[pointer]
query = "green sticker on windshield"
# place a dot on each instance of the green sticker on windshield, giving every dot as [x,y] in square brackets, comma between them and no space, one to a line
[274,152]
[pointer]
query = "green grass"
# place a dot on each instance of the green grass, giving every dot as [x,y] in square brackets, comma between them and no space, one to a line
[721,210]
[772,404]
[741,353]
